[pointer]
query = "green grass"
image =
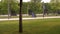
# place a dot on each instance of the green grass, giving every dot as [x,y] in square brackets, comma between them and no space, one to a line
[2,17]
[46,26]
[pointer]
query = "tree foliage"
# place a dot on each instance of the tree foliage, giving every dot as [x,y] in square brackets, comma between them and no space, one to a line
[4,6]
[34,5]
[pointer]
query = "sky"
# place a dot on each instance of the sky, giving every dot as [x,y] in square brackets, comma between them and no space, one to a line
[45,1]
[26,0]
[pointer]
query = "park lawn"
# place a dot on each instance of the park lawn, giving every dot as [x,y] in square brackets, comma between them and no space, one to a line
[2,17]
[46,26]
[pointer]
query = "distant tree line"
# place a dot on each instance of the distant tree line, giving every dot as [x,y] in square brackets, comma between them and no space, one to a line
[35,6]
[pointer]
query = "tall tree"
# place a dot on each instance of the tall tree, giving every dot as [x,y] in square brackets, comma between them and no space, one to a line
[55,5]
[35,1]
[12,3]
[35,6]
[55,1]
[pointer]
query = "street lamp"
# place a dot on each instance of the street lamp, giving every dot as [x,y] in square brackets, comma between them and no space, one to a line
[43,8]
[9,11]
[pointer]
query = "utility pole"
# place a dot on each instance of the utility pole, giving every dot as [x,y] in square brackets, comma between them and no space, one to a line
[8,8]
[56,6]
[43,8]
[20,18]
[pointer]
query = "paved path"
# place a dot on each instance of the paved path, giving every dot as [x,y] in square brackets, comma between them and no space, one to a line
[22,15]
[30,18]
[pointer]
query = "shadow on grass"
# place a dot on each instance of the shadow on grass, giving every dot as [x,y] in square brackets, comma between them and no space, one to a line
[55,30]
[52,30]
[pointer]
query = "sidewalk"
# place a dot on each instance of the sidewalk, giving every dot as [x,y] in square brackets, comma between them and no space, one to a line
[30,18]
[22,15]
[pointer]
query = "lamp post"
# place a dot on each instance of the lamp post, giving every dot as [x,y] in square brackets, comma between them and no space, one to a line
[56,6]
[9,9]
[43,8]
[20,17]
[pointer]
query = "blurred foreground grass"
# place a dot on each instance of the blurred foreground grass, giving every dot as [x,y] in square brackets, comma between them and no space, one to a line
[46,26]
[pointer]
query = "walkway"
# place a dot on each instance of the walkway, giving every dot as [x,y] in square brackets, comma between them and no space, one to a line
[30,18]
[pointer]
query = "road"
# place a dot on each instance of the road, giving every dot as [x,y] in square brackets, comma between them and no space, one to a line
[30,18]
